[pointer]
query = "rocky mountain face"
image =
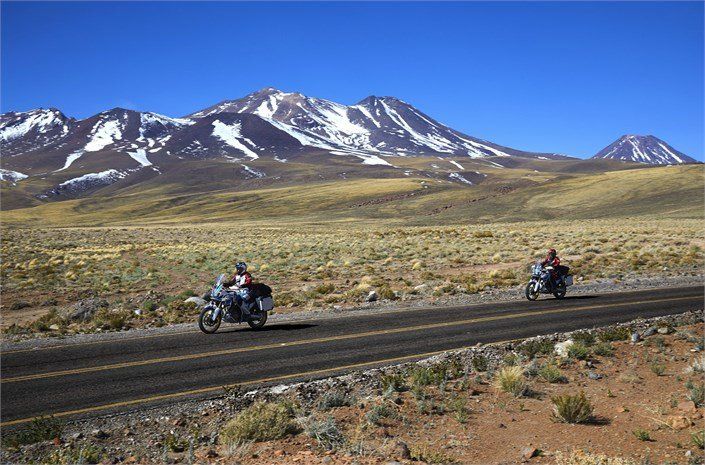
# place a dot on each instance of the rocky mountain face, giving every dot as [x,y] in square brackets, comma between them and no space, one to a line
[643,149]
[379,125]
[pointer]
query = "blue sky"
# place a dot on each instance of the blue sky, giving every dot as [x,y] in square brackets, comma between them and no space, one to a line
[562,77]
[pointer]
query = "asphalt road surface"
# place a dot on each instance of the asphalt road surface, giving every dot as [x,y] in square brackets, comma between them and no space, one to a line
[94,378]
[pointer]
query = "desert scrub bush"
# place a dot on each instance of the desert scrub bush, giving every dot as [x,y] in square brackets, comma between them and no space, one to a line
[326,432]
[603,349]
[74,455]
[479,363]
[698,439]
[386,293]
[580,457]
[534,347]
[621,333]
[550,373]
[40,429]
[571,408]
[375,415]
[460,410]
[394,382]
[429,454]
[578,351]
[657,367]
[334,399]
[698,364]
[427,376]
[149,306]
[511,380]
[642,435]
[585,338]
[696,393]
[262,421]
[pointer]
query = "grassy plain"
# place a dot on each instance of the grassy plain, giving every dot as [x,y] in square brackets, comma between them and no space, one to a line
[44,271]
[331,241]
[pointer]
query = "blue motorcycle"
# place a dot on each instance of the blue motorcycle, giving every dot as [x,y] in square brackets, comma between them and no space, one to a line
[231,306]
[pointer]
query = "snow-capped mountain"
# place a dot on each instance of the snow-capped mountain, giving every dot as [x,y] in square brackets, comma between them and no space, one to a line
[22,132]
[379,125]
[643,149]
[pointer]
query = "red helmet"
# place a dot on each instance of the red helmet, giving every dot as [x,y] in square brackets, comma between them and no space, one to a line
[552,252]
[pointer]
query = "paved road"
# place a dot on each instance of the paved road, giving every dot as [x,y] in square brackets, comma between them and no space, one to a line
[95,378]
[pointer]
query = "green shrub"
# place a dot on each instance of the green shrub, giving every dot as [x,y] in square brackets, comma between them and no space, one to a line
[479,363]
[603,349]
[429,454]
[393,382]
[375,415]
[260,422]
[40,429]
[550,373]
[427,376]
[149,306]
[333,399]
[534,347]
[326,433]
[621,333]
[75,455]
[698,439]
[578,351]
[696,393]
[324,289]
[641,434]
[572,408]
[584,337]
[386,293]
[511,380]
[657,367]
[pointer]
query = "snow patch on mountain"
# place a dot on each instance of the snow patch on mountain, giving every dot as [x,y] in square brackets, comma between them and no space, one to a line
[367,158]
[93,179]
[459,177]
[70,159]
[12,176]
[230,134]
[140,156]
[104,133]
[457,164]
[253,173]
[41,120]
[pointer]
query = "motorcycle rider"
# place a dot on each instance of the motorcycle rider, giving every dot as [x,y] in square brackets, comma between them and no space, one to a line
[243,280]
[559,271]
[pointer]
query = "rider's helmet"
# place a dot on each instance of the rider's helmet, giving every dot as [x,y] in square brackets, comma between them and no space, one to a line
[241,267]
[552,253]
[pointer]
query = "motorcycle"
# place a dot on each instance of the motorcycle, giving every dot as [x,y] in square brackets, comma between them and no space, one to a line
[225,305]
[542,282]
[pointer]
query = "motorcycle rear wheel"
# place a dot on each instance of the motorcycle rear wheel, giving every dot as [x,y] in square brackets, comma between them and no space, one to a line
[559,293]
[530,294]
[205,323]
[257,324]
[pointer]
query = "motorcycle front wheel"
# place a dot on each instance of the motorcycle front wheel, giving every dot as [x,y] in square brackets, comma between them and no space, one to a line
[206,323]
[257,324]
[559,293]
[530,293]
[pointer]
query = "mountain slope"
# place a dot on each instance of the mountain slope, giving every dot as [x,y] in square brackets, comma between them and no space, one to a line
[382,125]
[643,149]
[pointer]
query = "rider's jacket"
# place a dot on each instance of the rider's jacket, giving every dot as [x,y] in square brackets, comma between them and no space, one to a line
[553,262]
[243,280]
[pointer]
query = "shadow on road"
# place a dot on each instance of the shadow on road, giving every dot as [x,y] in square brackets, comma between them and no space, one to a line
[274,327]
[580,297]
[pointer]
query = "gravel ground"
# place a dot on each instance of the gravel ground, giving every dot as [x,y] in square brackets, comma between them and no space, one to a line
[628,283]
